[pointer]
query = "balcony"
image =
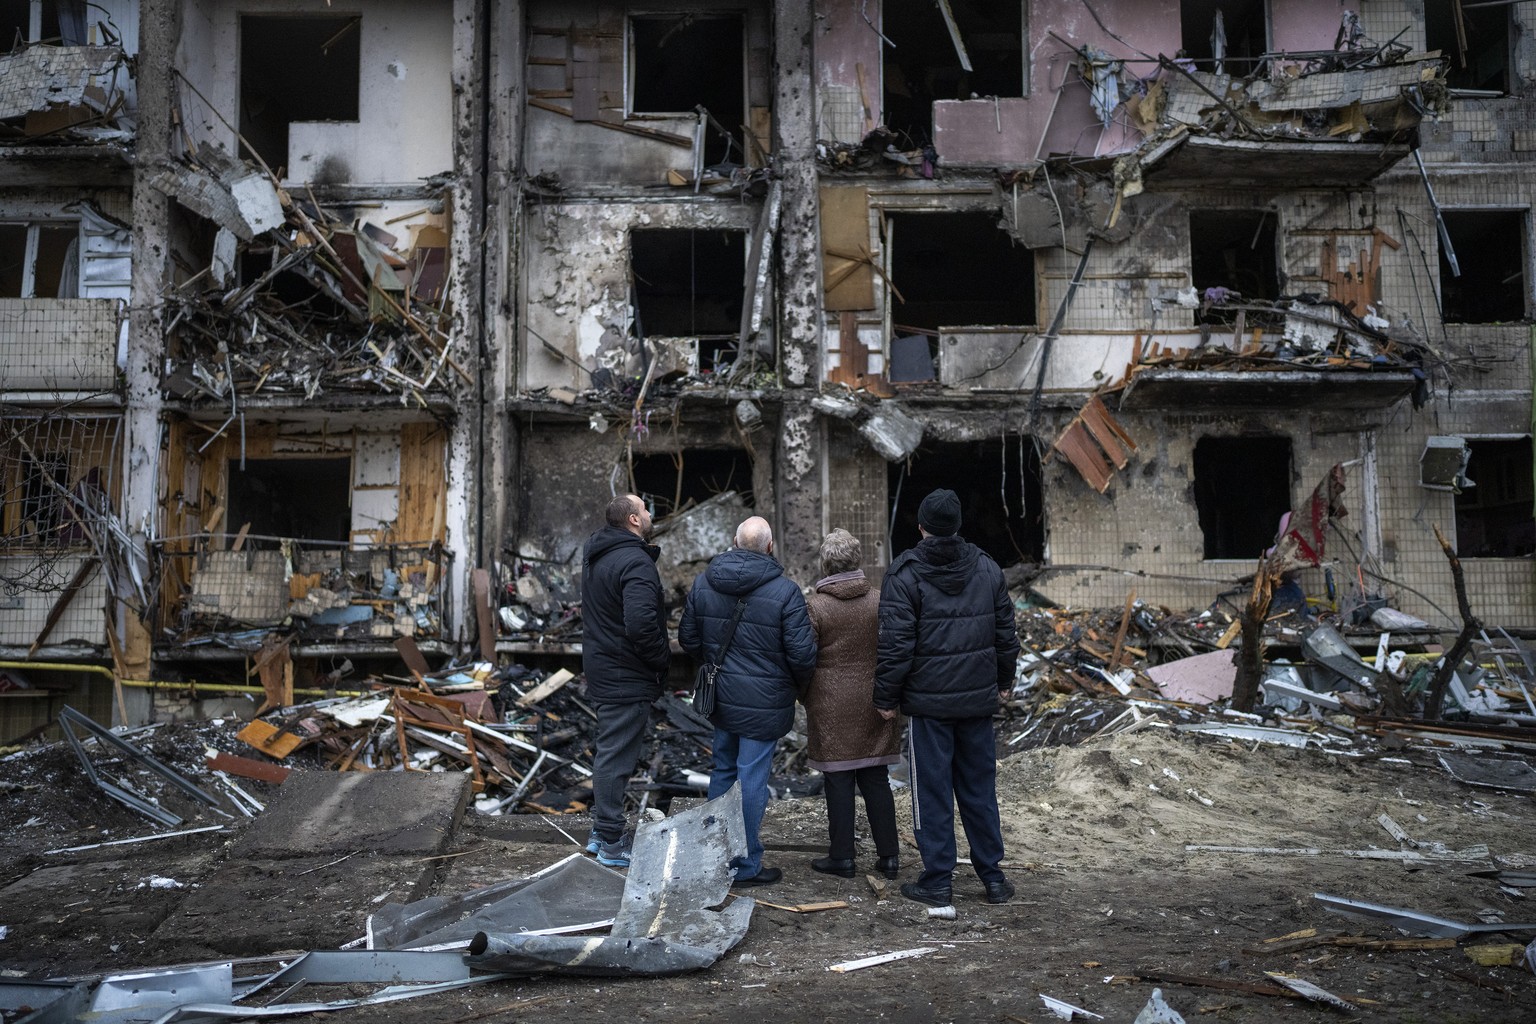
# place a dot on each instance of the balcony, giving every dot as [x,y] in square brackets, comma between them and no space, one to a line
[52,349]
[231,590]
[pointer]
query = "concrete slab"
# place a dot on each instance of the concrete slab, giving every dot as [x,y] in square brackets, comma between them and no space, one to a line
[256,907]
[337,813]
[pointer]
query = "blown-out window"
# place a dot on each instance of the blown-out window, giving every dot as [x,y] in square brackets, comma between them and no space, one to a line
[40,260]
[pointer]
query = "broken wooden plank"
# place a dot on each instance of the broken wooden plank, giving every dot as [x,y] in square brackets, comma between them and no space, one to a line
[555,681]
[247,768]
[411,655]
[883,958]
[484,616]
[276,743]
[1076,444]
[806,908]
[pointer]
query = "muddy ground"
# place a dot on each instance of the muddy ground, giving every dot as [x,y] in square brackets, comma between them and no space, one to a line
[1108,896]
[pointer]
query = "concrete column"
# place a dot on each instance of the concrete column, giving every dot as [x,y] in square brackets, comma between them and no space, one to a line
[800,445]
[159,35]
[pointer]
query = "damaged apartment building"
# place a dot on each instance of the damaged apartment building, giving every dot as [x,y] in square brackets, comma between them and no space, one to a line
[334,327]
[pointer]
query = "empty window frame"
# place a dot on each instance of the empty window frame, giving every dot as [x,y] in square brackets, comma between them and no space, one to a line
[1224,35]
[305,499]
[1242,488]
[925,64]
[669,482]
[296,69]
[957,270]
[1235,250]
[682,61]
[1491,254]
[42,21]
[998,483]
[1493,514]
[690,284]
[1476,41]
[40,260]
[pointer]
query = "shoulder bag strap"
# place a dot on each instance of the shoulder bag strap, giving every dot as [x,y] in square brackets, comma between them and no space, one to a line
[730,630]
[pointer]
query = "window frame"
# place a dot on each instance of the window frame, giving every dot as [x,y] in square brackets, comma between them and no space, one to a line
[1524,213]
[631,61]
[30,248]
[1469,439]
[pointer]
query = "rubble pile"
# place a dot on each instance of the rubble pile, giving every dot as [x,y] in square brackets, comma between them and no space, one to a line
[297,301]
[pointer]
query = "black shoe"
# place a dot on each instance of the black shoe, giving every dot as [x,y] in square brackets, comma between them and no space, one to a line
[1000,892]
[833,866]
[765,876]
[890,866]
[922,894]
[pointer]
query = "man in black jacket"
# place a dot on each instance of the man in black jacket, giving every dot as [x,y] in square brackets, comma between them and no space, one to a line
[624,654]
[948,648]
[770,658]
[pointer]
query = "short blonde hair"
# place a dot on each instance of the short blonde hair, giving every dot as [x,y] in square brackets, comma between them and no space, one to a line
[840,552]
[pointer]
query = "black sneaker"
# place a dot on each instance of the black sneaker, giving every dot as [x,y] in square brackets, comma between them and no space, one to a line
[833,866]
[922,894]
[1000,892]
[764,876]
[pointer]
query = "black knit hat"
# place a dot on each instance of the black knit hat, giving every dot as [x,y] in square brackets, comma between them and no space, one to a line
[939,513]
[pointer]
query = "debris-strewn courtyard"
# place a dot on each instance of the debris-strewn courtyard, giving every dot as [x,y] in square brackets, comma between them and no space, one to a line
[1146,857]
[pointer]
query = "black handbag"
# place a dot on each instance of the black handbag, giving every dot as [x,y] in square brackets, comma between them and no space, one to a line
[704,681]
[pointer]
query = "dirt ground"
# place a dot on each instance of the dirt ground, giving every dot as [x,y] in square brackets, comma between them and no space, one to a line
[1108,895]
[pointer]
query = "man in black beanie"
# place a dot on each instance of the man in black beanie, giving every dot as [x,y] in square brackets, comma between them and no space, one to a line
[948,648]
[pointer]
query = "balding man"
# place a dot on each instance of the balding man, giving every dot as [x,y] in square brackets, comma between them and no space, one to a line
[624,653]
[770,659]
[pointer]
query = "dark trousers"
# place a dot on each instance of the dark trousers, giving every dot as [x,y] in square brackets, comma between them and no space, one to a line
[879,805]
[620,737]
[955,762]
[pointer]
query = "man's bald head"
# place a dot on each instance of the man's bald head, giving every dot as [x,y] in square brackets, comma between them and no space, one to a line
[755,535]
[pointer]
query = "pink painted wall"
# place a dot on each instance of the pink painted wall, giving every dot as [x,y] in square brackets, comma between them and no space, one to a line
[967,131]
[843,42]
[1009,132]
[1306,24]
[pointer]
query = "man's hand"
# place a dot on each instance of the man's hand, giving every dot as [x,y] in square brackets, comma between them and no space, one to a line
[887,713]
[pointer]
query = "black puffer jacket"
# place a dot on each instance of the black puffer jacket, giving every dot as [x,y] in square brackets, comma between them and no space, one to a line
[773,653]
[947,639]
[623,619]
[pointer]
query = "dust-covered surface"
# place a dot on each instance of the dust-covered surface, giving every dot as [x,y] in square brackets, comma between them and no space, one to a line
[1097,836]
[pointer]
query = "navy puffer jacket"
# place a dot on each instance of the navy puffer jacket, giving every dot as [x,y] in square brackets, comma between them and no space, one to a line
[774,650]
[623,619]
[948,644]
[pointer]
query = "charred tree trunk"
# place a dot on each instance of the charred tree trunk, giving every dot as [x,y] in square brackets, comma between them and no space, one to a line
[1250,657]
[1470,627]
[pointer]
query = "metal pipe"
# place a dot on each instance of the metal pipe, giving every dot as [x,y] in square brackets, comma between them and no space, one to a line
[148,684]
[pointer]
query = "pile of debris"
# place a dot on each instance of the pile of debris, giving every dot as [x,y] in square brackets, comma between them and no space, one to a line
[526,738]
[338,306]
[1087,674]
[72,93]
[266,588]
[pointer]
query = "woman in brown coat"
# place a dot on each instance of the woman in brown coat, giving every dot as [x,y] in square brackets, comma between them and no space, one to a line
[850,744]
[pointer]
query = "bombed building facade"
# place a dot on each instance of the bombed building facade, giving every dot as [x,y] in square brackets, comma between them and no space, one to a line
[335,325]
